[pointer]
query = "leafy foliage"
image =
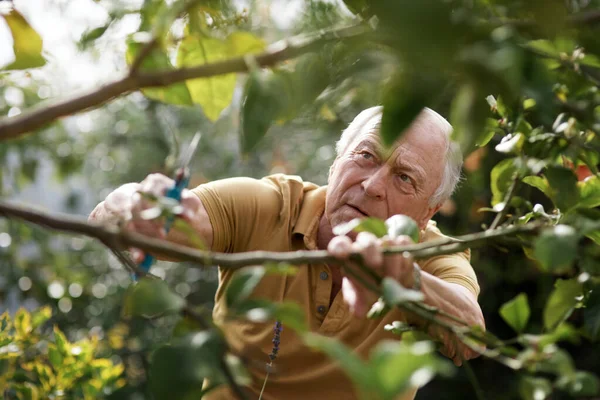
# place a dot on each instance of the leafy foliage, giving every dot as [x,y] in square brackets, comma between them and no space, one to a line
[519,82]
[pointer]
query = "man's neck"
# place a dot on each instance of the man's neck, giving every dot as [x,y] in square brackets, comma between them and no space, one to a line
[324,233]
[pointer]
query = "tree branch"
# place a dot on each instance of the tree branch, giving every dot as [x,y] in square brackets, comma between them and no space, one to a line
[40,116]
[115,237]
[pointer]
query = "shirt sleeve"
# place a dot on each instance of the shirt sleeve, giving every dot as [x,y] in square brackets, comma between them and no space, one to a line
[454,268]
[246,212]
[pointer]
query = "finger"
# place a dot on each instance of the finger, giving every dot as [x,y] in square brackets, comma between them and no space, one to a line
[398,265]
[137,255]
[340,247]
[156,184]
[355,296]
[369,248]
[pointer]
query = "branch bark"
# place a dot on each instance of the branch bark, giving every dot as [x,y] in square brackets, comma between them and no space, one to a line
[113,237]
[44,114]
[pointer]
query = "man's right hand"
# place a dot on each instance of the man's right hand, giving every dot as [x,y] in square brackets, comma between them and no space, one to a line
[125,206]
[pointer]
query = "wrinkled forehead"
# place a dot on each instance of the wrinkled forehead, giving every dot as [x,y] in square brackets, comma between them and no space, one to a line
[429,131]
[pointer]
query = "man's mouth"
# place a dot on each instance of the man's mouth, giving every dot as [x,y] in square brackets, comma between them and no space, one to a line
[358,210]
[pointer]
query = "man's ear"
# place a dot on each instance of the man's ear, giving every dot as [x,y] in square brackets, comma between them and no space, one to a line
[430,213]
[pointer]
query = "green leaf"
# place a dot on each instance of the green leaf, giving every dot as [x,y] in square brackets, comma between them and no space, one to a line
[580,384]
[468,117]
[403,100]
[150,298]
[40,316]
[544,46]
[351,363]
[539,183]
[260,106]
[399,225]
[589,192]
[563,186]
[215,93]
[370,224]
[62,344]
[242,284]
[591,314]
[531,388]
[178,370]
[556,248]
[27,44]
[516,312]
[55,357]
[157,60]
[561,302]
[396,365]
[394,293]
[501,178]
[23,323]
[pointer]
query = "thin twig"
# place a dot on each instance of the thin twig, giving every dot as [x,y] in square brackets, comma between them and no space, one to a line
[473,379]
[507,198]
[44,114]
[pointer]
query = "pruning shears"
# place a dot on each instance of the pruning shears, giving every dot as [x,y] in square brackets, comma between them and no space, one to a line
[182,179]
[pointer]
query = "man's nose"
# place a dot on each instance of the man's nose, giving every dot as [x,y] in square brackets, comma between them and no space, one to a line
[375,185]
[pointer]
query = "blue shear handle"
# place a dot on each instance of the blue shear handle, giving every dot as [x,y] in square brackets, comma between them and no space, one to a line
[173,193]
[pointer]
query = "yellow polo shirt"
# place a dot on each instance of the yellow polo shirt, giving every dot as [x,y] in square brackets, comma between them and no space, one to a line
[282,213]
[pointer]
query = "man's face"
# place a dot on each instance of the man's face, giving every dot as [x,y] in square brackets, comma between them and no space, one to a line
[368,180]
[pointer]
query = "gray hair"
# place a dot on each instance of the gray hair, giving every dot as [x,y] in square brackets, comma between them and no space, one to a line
[370,119]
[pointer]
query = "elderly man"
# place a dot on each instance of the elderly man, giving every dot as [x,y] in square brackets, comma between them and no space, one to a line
[283,213]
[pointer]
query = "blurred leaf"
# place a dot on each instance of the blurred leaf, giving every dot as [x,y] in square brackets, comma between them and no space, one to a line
[404,98]
[580,384]
[356,6]
[55,357]
[531,388]
[378,309]
[352,365]
[62,344]
[556,248]
[561,302]
[539,183]
[398,327]
[40,316]
[591,314]
[501,179]
[373,225]
[150,298]
[22,323]
[91,35]
[157,60]
[589,192]
[178,370]
[261,310]
[215,93]
[516,312]
[563,186]
[27,43]
[468,118]
[399,225]
[242,284]
[260,107]
[396,366]
[191,234]
[395,294]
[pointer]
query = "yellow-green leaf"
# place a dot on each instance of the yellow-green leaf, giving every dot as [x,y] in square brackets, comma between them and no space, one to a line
[516,312]
[23,322]
[27,44]
[215,93]
[157,60]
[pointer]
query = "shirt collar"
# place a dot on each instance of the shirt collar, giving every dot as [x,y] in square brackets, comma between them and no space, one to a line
[307,224]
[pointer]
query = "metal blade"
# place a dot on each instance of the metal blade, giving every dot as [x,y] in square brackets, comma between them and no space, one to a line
[191,149]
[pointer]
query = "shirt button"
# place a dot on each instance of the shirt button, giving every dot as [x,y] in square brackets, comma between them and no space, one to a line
[321,309]
[323,275]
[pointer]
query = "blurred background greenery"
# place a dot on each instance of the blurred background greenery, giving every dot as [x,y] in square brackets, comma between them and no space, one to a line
[72,165]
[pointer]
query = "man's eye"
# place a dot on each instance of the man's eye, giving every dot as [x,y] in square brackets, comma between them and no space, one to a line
[405,178]
[367,155]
